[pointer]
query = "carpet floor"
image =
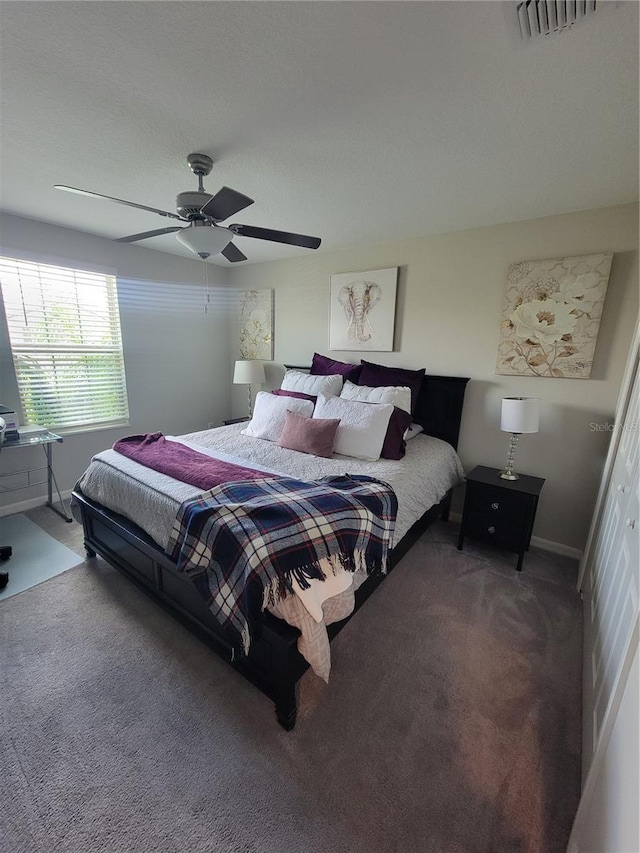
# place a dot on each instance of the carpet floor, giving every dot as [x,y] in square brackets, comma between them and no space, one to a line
[451,721]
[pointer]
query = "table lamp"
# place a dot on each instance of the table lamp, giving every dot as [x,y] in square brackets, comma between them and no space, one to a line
[249,372]
[519,414]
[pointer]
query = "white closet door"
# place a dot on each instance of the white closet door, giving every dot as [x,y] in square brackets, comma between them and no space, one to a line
[607,817]
[607,820]
[612,580]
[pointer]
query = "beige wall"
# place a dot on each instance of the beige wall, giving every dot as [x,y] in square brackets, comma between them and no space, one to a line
[448,315]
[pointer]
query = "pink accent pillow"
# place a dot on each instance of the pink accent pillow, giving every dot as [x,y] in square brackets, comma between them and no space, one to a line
[309,435]
[280,392]
[322,365]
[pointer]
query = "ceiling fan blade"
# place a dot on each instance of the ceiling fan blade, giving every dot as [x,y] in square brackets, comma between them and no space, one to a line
[225,203]
[120,201]
[132,238]
[232,253]
[276,236]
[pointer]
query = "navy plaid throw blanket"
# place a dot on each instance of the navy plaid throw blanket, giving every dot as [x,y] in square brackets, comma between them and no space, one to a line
[243,543]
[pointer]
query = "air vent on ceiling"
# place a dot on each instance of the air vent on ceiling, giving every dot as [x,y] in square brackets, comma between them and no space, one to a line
[541,17]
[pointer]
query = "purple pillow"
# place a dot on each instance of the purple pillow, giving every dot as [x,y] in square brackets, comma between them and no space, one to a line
[323,366]
[309,435]
[377,376]
[279,392]
[394,445]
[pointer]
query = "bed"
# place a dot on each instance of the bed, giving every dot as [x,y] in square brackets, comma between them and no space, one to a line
[274,663]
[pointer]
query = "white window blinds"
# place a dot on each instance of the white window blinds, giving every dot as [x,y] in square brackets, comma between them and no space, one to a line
[64,329]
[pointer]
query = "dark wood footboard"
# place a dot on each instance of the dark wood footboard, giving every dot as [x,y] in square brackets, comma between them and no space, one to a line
[274,664]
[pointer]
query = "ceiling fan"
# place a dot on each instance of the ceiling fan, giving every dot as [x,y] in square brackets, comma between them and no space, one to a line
[203,212]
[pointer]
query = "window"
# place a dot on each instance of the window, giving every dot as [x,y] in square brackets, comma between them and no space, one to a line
[64,330]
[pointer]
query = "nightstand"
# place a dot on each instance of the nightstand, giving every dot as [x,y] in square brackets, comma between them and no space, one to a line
[500,511]
[234,421]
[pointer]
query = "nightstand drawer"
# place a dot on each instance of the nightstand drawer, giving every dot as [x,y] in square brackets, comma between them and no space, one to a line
[503,531]
[496,501]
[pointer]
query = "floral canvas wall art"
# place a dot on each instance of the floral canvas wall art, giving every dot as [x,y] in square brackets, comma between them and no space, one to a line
[551,316]
[255,322]
[363,308]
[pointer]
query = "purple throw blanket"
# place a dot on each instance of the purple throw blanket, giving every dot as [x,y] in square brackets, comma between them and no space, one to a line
[182,463]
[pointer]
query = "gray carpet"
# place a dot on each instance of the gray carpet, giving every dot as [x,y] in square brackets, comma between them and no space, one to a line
[451,723]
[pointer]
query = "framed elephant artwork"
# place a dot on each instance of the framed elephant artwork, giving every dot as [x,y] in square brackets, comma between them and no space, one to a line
[363,310]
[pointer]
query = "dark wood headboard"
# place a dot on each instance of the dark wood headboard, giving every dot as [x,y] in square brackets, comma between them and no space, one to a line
[439,406]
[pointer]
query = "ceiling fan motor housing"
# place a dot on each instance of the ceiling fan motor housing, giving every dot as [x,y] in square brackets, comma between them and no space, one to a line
[189,204]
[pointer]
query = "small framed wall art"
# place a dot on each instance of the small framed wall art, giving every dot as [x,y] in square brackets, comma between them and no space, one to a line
[363,310]
[255,324]
[551,316]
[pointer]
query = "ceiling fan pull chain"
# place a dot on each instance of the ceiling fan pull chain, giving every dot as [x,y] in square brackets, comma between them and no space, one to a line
[206,286]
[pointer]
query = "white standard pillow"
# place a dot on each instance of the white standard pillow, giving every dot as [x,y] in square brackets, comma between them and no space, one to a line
[397,395]
[305,383]
[269,414]
[363,426]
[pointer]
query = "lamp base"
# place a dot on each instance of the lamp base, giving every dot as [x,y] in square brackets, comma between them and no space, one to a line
[509,475]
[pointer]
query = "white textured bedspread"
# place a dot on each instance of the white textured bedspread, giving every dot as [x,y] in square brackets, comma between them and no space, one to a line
[151,500]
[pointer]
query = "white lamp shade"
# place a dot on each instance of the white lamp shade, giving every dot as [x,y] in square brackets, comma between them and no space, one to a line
[205,239]
[520,414]
[248,372]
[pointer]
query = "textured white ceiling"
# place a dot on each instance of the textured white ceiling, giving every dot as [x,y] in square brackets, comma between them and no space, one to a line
[353,121]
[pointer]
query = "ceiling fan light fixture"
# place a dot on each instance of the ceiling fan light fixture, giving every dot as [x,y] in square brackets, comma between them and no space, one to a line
[205,239]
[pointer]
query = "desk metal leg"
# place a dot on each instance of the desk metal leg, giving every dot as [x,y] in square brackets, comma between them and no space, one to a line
[51,481]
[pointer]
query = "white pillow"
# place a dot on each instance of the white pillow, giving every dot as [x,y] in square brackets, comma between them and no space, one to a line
[397,395]
[413,431]
[363,426]
[305,383]
[269,415]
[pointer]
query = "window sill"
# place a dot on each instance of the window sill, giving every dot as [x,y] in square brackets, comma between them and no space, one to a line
[64,431]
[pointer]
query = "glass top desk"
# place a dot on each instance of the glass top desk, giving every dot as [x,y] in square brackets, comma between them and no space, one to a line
[32,437]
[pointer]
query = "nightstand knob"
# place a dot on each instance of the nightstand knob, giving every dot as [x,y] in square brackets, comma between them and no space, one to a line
[630,522]
[495,505]
[621,488]
[491,529]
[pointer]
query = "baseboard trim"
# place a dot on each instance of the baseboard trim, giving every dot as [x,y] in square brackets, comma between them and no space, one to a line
[539,542]
[31,503]
[556,547]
